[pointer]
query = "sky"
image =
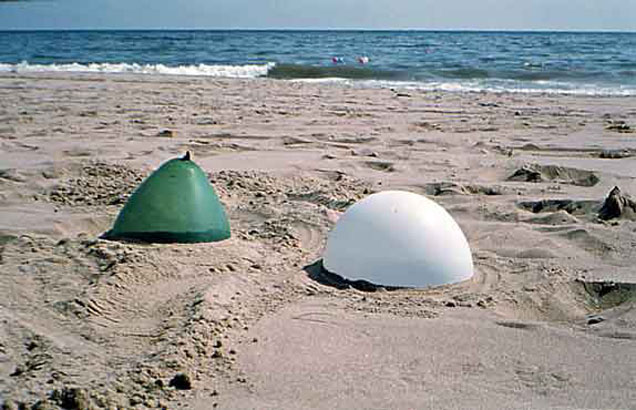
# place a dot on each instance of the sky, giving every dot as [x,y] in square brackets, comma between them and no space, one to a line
[602,15]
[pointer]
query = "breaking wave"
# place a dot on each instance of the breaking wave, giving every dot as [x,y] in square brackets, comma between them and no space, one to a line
[355,76]
[206,70]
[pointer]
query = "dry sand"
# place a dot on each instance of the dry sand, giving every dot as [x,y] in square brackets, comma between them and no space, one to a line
[547,322]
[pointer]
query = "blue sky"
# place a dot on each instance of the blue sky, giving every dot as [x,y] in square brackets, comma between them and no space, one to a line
[370,14]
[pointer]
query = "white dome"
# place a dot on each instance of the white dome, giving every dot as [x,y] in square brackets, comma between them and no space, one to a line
[397,238]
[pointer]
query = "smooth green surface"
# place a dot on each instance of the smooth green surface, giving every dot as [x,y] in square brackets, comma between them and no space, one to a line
[174,204]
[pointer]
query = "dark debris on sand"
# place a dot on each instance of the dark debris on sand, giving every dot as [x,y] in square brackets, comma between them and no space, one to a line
[181,381]
[617,205]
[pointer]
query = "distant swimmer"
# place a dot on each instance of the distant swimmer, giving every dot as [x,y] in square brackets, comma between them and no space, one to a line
[363,59]
[337,60]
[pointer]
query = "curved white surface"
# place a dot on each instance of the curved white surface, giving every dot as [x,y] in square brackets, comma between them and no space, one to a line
[397,238]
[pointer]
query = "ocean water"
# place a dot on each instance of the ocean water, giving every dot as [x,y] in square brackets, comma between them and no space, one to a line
[530,62]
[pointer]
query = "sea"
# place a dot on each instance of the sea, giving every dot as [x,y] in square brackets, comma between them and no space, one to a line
[579,63]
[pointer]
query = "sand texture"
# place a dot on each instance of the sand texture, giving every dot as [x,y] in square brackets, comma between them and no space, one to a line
[548,321]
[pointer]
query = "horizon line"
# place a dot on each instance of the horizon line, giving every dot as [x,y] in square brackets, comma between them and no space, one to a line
[486,30]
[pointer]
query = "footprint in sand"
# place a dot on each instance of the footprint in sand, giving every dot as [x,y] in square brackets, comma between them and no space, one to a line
[570,206]
[587,241]
[451,188]
[554,173]
[541,379]
[381,166]
[560,217]
[516,324]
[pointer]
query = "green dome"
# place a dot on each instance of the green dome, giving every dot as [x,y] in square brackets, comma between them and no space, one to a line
[174,204]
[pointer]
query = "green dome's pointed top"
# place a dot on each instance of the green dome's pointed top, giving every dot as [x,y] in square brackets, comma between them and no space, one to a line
[176,203]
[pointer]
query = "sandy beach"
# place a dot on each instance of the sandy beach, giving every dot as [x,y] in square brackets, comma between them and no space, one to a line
[548,321]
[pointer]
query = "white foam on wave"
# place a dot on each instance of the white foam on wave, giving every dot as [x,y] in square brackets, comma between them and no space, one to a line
[206,70]
[467,86]
[324,80]
[538,87]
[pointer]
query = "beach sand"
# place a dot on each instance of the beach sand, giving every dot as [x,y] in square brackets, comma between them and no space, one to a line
[548,321]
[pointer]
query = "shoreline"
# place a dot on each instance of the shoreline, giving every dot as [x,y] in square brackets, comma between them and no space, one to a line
[373,84]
